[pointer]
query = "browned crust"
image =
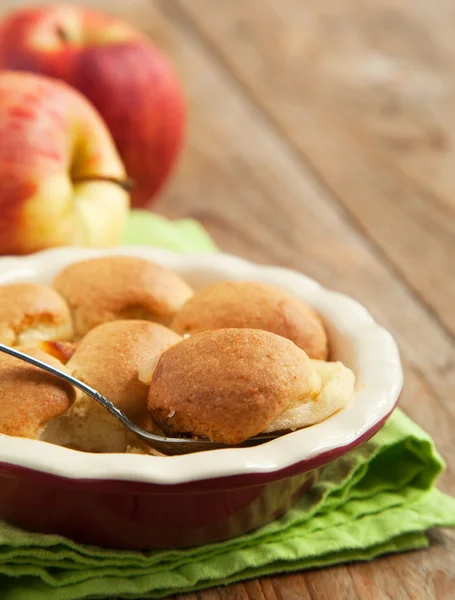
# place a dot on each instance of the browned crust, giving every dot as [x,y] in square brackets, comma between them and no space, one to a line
[254,305]
[227,385]
[25,306]
[120,287]
[109,356]
[30,397]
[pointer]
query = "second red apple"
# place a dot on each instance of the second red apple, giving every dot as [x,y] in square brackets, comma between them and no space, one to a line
[118,69]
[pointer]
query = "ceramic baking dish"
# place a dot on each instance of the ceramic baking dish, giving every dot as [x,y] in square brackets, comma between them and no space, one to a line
[135,501]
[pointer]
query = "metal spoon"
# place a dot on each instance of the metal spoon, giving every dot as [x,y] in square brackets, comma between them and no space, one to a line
[166,445]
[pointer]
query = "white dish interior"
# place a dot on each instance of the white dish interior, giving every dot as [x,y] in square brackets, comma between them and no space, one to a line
[355,338]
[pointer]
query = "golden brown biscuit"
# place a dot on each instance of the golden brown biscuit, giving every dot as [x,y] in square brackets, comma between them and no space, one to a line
[229,384]
[109,356]
[257,306]
[32,311]
[120,287]
[29,397]
[107,359]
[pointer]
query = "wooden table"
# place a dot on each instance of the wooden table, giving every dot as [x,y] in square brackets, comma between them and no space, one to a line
[322,137]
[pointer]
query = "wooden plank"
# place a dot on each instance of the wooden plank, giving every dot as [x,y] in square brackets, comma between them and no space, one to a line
[236,591]
[262,589]
[288,587]
[364,90]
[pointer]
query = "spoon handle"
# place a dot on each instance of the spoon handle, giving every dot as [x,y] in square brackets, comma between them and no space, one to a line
[73,381]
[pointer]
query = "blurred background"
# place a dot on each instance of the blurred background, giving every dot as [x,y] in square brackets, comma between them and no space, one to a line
[320,136]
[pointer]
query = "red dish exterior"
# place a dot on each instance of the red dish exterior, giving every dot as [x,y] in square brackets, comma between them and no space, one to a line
[128,514]
[91,514]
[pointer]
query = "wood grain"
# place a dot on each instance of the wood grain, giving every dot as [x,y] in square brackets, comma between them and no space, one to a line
[364,91]
[321,137]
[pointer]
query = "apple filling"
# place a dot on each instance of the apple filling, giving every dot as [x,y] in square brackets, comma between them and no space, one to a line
[88,427]
[337,389]
[41,332]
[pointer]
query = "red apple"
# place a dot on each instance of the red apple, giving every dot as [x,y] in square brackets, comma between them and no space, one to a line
[61,178]
[118,69]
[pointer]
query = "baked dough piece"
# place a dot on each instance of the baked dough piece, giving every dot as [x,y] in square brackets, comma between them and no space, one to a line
[109,356]
[30,398]
[120,287]
[253,305]
[107,359]
[31,312]
[227,385]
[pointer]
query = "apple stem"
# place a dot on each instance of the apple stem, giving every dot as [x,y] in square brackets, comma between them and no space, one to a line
[62,34]
[126,184]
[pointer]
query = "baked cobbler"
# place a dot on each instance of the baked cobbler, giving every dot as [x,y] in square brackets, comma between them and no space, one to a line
[226,363]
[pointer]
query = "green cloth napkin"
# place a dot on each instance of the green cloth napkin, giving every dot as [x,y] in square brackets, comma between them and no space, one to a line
[146,228]
[380,498]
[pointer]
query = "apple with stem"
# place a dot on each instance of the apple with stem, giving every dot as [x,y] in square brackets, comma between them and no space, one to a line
[62,181]
[123,74]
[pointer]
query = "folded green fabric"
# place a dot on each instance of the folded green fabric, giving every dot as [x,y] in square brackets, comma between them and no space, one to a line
[380,498]
[146,228]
